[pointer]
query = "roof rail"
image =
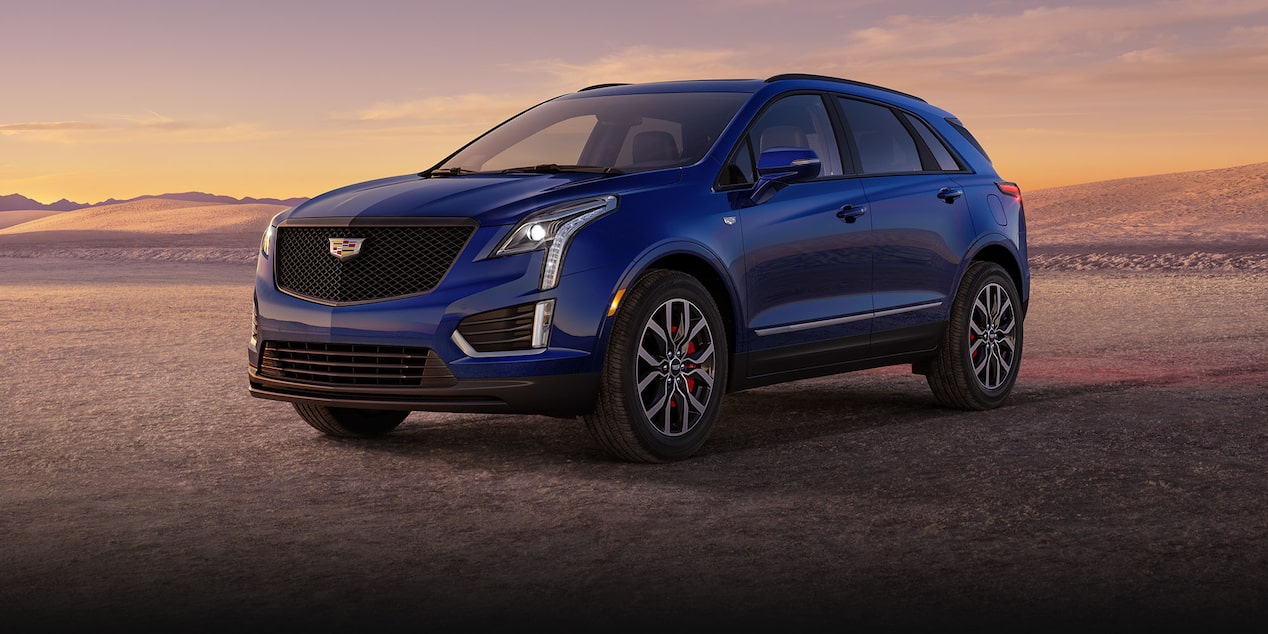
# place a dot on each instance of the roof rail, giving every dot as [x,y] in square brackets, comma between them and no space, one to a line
[792,76]
[598,86]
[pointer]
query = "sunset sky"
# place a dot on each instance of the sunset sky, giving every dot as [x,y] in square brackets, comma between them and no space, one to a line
[268,98]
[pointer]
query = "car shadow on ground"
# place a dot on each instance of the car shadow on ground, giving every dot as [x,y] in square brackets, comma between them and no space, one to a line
[755,421]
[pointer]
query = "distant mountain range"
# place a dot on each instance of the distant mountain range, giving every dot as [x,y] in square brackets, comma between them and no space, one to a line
[17,201]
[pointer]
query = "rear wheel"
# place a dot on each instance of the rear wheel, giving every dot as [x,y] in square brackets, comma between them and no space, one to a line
[349,422]
[665,371]
[980,354]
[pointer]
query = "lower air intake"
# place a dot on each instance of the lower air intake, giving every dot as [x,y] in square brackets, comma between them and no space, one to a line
[354,365]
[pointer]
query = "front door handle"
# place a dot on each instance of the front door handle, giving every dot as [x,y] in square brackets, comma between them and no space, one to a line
[949,195]
[850,213]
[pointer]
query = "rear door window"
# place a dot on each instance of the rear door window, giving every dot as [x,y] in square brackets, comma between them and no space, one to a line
[883,142]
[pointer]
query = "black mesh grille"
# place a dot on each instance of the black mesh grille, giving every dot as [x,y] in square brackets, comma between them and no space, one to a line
[500,330]
[354,365]
[393,261]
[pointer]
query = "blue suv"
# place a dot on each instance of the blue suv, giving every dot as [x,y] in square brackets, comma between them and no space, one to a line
[630,253]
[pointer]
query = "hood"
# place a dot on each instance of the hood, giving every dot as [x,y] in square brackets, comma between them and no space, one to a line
[490,199]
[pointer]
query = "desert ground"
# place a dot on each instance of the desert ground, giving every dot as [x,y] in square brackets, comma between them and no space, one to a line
[1122,486]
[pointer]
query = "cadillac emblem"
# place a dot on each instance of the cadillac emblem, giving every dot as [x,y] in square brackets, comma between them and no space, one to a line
[345,248]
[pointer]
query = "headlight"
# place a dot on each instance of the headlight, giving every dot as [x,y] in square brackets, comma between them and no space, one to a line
[264,242]
[552,229]
[268,233]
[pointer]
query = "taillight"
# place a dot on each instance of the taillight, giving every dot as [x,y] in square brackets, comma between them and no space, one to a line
[1009,188]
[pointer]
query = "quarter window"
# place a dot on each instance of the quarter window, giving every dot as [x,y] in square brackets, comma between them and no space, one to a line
[946,162]
[740,170]
[884,145]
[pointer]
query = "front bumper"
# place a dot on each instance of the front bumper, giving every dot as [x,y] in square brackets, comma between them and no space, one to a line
[559,395]
[561,379]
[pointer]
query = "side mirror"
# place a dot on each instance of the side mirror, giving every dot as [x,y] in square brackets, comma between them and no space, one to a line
[782,166]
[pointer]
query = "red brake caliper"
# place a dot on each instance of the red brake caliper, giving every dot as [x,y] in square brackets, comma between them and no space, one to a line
[691,349]
[673,330]
[691,383]
[971,338]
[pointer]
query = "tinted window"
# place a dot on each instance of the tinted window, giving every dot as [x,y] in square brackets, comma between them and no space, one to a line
[946,162]
[799,121]
[959,127]
[883,143]
[740,170]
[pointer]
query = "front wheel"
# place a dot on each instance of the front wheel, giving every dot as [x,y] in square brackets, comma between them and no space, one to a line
[664,373]
[980,353]
[349,422]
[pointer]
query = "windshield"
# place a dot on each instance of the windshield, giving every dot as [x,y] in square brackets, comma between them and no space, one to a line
[618,133]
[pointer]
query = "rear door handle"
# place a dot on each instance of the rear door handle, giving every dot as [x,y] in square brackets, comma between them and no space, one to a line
[850,213]
[949,195]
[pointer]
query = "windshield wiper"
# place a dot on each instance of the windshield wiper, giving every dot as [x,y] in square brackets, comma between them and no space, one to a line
[552,168]
[448,171]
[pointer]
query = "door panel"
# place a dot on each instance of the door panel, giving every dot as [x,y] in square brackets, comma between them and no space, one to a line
[806,265]
[920,225]
[808,251]
[919,241]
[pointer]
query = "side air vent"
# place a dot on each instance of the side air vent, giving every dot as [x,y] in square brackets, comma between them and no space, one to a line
[500,330]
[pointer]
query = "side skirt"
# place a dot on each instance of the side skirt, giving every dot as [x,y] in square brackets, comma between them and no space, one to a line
[913,345]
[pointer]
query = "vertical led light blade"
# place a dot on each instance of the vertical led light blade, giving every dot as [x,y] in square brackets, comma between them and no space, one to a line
[543,316]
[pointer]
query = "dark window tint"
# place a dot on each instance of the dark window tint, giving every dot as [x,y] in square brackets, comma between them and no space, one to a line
[959,127]
[946,162]
[740,170]
[884,145]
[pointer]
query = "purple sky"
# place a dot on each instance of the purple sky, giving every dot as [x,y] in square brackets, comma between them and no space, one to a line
[103,99]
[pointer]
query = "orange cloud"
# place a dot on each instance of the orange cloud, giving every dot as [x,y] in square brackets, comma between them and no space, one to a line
[639,64]
[129,129]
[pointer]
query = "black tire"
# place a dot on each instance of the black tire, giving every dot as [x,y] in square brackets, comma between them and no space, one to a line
[980,354]
[348,422]
[672,416]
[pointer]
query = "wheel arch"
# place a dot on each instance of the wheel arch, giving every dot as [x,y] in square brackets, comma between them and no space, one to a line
[1001,253]
[694,260]
[713,282]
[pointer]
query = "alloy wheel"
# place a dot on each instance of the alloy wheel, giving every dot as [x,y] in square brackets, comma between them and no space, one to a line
[992,336]
[675,367]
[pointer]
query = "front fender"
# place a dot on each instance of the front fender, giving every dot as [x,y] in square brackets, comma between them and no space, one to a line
[669,249]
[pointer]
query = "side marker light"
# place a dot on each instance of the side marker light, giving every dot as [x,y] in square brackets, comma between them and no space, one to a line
[616,301]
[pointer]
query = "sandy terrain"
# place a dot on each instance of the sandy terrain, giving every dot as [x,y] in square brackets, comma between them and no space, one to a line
[152,229]
[17,217]
[1122,486]
[156,216]
[1222,206]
